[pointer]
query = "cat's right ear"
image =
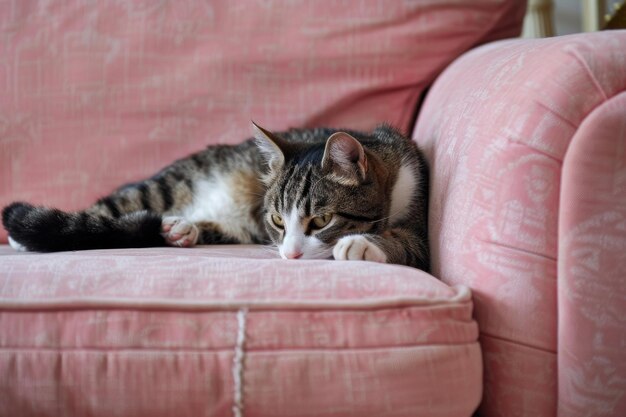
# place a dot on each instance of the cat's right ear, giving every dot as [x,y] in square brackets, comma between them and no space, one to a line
[270,146]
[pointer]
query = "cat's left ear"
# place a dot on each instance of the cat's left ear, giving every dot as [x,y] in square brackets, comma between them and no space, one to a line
[270,146]
[345,157]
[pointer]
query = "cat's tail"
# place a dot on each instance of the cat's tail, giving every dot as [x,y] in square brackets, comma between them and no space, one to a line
[43,229]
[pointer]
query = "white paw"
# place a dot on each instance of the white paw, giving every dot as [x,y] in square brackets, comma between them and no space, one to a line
[179,232]
[17,246]
[358,248]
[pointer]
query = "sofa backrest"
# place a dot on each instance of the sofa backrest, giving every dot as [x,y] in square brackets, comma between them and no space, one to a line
[97,94]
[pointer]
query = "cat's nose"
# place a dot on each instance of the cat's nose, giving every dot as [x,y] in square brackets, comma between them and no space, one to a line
[293,255]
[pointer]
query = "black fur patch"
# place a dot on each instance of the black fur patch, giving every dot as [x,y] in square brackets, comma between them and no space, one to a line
[43,229]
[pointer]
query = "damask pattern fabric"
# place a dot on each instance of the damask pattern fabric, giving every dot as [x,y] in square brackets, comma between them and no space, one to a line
[225,331]
[528,208]
[592,262]
[96,94]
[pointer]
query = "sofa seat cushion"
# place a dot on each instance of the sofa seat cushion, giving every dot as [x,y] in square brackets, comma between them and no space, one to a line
[230,330]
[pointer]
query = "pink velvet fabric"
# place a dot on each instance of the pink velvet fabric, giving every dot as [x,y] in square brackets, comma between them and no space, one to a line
[156,332]
[526,141]
[97,94]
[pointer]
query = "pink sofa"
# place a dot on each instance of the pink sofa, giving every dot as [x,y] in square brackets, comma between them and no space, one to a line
[527,144]
[526,141]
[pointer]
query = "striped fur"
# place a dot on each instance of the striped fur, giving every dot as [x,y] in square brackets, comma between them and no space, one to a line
[370,189]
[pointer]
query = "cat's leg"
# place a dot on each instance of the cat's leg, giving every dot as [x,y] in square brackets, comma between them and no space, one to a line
[182,233]
[212,234]
[397,246]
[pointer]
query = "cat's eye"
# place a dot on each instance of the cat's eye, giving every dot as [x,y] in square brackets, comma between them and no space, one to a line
[321,221]
[278,221]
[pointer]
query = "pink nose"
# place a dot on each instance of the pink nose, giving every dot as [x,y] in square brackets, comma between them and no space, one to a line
[294,255]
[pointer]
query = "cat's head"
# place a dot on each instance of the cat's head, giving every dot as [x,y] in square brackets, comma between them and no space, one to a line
[319,192]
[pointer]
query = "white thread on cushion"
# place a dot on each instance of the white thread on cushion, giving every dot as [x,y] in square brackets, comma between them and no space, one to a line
[238,362]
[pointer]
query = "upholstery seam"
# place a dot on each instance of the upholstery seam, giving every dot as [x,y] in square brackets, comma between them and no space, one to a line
[594,80]
[516,249]
[165,305]
[547,108]
[187,350]
[515,342]
[516,141]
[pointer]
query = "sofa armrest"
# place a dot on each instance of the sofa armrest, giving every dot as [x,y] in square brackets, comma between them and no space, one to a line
[527,145]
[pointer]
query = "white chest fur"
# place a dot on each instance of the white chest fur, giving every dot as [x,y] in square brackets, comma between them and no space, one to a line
[402,193]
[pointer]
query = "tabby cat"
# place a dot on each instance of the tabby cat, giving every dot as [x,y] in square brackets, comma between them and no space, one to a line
[315,193]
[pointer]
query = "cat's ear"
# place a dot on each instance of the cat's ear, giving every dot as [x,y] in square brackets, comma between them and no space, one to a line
[270,146]
[345,157]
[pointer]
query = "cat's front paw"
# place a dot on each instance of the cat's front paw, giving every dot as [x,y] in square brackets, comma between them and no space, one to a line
[179,232]
[358,248]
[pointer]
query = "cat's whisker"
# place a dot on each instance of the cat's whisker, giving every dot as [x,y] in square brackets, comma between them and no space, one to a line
[254,194]
[385,218]
[272,250]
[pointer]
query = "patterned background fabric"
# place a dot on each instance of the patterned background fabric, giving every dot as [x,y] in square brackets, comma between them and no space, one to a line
[527,140]
[96,94]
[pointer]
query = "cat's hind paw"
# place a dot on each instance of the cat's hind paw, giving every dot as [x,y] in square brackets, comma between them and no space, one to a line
[179,232]
[358,248]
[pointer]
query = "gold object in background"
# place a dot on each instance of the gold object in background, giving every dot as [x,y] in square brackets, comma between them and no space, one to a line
[618,20]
